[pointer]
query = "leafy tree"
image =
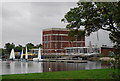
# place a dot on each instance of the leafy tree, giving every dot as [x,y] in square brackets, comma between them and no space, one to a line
[75,35]
[38,45]
[1,52]
[18,48]
[30,46]
[9,47]
[95,16]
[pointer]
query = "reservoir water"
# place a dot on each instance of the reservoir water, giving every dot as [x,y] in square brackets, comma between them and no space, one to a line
[18,67]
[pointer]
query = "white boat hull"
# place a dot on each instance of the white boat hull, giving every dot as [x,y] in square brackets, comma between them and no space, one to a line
[37,59]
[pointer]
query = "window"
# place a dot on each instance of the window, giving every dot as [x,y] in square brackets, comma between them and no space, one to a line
[85,50]
[76,44]
[55,45]
[55,37]
[81,45]
[61,45]
[61,38]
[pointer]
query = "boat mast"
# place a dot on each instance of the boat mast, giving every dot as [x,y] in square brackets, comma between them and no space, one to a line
[26,54]
[21,54]
[39,54]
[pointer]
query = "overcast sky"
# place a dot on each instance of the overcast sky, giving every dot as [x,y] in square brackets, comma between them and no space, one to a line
[23,22]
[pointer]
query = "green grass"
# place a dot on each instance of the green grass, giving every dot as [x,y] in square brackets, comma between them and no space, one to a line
[0,77]
[81,74]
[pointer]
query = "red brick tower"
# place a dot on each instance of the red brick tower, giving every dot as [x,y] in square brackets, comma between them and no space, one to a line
[56,39]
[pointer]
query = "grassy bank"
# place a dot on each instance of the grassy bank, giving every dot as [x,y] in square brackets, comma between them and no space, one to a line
[81,74]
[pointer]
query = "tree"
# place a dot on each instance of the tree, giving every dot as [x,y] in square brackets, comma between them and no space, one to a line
[30,46]
[18,48]
[38,45]
[75,34]
[9,47]
[95,16]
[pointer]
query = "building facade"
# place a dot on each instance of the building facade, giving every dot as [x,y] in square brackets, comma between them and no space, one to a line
[82,51]
[56,39]
[107,50]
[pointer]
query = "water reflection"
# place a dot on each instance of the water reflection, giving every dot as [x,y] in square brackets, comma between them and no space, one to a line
[59,66]
[12,67]
[17,67]
[93,65]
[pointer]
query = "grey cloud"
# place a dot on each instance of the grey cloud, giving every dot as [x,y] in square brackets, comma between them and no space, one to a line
[24,21]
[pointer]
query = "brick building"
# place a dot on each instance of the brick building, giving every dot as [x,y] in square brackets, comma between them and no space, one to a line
[56,39]
[106,50]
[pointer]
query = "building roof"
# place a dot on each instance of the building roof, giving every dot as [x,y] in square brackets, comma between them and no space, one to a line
[78,47]
[61,29]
